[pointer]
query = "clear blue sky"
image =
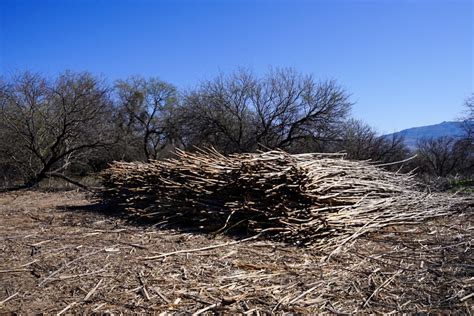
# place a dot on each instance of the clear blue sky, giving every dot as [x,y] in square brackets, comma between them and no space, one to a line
[406,63]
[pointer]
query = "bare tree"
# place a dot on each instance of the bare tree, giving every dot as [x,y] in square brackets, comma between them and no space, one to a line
[146,110]
[219,114]
[284,109]
[468,118]
[50,125]
[469,105]
[292,107]
[361,142]
[444,156]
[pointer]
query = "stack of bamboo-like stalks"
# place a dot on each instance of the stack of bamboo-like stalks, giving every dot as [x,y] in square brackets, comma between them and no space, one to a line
[318,199]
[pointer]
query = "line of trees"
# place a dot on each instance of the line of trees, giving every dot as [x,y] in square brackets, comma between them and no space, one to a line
[77,123]
[445,156]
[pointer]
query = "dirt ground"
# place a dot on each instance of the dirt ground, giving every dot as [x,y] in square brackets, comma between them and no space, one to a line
[63,252]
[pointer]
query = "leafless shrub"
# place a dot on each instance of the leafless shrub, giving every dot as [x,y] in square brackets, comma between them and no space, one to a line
[284,109]
[49,125]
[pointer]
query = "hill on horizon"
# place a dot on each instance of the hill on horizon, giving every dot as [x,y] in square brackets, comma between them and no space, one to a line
[414,134]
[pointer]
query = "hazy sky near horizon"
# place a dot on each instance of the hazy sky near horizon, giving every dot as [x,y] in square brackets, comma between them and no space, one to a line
[406,63]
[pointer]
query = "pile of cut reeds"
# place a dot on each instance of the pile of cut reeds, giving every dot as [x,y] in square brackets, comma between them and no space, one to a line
[316,199]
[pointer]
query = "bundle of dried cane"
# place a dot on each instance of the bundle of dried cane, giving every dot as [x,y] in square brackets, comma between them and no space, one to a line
[306,199]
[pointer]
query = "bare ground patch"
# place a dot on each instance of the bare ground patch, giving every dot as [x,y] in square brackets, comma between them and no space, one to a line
[59,252]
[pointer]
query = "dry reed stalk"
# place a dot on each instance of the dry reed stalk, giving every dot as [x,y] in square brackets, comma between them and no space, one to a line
[318,200]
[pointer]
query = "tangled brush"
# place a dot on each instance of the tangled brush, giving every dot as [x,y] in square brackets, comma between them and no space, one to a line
[319,200]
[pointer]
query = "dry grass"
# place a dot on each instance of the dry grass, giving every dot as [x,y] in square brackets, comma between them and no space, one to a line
[60,253]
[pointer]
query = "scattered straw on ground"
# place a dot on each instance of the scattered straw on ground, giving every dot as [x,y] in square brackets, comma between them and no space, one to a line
[59,253]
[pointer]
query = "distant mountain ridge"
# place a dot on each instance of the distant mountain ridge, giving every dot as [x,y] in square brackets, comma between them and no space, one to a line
[412,135]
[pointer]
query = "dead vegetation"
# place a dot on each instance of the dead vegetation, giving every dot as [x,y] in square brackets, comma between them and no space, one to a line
[61,254]
[317,200]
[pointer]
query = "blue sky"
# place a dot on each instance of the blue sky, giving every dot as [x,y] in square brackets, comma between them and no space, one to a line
[406,63]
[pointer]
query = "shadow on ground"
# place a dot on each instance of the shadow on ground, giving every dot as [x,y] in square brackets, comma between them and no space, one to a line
[192,225]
